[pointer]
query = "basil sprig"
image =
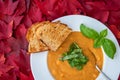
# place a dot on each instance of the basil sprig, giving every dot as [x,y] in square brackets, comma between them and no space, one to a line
[99,40]
[75,56]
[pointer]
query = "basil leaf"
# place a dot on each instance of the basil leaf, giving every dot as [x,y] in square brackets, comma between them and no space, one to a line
[70,56]
[109,48]
[83,60]
[79,67]
[98,42]
[73,46]
[72,64]
[75,56]
[103,33]
[88,32]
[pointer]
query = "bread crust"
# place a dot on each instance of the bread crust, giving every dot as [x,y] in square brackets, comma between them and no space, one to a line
[35,45]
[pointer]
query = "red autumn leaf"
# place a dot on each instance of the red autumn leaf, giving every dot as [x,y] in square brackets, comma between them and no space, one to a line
[26,77]
[3,67]
[65,7]
[2,16]
[27,21]
[8,6]
[97,4]
[97,10]
[100,15]
[112,5]
[34,13]
[114,18]
[2,58]
[6,30]
[50,9]
[13,43]
[12,11]
[16,20]
[56,8]
[41,5]
[20,36]
[21,8]
[11,60]
[114,29]
[73,7]
[86,1]
[4,47]
[10,75]
[20,61]
[21,64]
[27,4]
[23,57]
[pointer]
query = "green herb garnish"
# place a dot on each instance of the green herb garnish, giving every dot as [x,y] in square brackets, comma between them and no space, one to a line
[88,32]
[99,40]
[109,47]
[75,56]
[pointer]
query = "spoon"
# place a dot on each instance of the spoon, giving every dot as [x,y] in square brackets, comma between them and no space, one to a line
[97,67]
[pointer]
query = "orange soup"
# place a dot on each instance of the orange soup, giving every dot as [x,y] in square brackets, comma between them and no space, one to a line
[61,70]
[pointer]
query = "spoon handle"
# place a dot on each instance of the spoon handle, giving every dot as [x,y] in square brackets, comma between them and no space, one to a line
[107,78]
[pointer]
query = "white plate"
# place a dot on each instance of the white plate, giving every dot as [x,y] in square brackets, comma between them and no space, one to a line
[110,67]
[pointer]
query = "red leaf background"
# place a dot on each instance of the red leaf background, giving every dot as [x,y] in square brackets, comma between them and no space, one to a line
[16,16]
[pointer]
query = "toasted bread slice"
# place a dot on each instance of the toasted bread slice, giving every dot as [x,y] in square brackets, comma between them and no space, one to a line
[35,45]
[32,30]
[53,34]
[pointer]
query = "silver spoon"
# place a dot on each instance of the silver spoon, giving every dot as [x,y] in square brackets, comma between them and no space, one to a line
[97,67]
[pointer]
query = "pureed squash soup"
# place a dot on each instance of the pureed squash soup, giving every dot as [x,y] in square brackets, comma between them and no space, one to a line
[61,70]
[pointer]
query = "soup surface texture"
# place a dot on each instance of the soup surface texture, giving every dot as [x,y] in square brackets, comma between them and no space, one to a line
[61,70]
